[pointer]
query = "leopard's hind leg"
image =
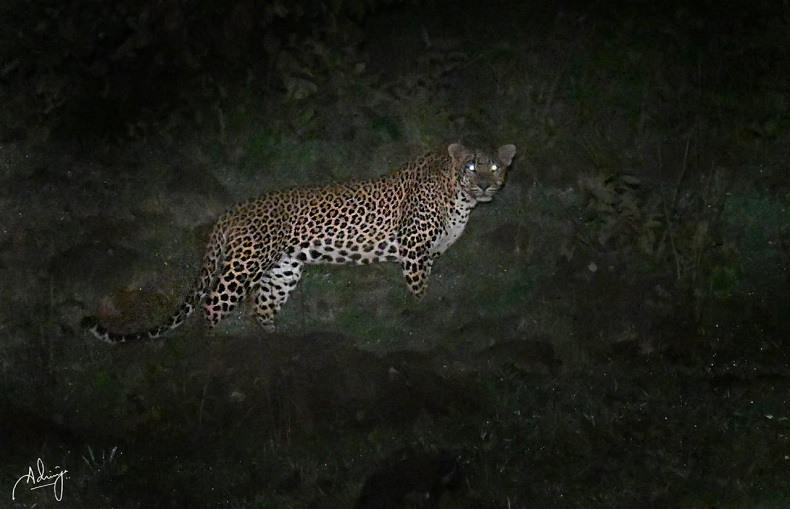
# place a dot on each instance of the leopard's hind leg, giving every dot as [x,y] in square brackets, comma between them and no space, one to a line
[228,291]
[273,287]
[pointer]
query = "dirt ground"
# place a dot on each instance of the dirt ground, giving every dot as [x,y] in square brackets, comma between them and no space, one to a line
[611,331]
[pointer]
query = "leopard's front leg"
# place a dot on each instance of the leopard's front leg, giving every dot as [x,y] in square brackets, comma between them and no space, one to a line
[416,265]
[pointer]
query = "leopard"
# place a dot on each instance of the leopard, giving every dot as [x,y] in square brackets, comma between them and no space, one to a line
[258,249]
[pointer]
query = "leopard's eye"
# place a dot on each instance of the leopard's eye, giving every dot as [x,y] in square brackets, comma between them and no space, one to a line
[494,168]
[470,167]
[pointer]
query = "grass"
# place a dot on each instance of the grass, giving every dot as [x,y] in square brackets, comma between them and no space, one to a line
[609,332]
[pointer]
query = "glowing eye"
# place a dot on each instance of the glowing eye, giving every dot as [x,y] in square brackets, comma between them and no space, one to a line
[470,167]
[494,168]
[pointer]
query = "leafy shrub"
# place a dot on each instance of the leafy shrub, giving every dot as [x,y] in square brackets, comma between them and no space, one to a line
[129,67]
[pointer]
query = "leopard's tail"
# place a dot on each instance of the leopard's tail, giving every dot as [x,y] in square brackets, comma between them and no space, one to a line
[212,260]
[187,308]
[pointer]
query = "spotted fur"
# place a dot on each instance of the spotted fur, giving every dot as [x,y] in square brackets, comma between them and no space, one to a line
[258,249]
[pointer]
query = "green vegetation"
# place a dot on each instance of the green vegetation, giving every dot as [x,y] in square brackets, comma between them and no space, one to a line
[610,332]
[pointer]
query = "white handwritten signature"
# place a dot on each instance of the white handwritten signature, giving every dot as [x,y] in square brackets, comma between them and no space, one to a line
[42,480]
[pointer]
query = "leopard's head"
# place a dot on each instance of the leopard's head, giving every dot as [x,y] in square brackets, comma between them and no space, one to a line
[479,174]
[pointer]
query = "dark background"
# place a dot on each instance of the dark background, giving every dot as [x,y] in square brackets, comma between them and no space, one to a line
[610,331]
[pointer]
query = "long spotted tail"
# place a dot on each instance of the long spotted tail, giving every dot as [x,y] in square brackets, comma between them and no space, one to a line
[187,308]
[212,261]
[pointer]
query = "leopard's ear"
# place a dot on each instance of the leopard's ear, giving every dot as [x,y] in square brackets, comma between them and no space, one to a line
[459,153]
[505,154]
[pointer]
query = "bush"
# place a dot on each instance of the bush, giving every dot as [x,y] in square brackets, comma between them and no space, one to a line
[123,68]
